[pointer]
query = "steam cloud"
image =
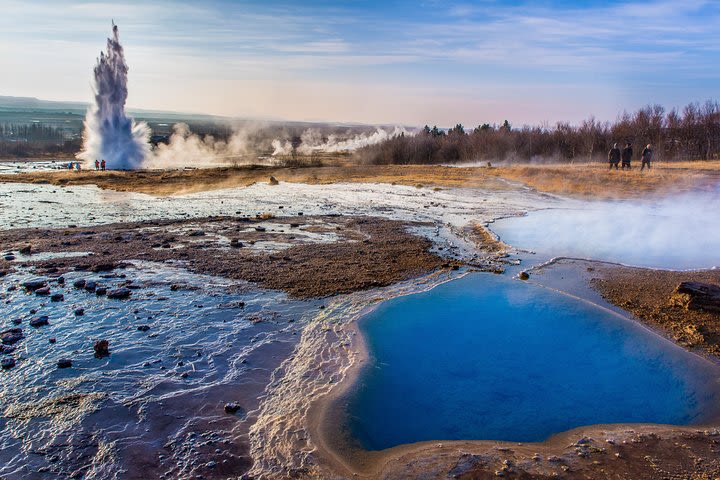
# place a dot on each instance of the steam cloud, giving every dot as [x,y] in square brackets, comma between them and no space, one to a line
[312,141]
[109,133]
[678,232]
[186,149]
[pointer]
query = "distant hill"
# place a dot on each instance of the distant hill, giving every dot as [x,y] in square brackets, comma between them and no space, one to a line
[70,115]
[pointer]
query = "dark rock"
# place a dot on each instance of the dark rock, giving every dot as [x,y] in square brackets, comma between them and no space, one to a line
[79,312]
[232,408]
[79,283]
[273,181]
[524,276]
[294,225]
[35,284]
[17,321]
[57,297]
[101,291]
[90,286]
[143,328]
[697,296]
[44,291]
[7,363]
[39,321]
[61,280]
[9,258]
[104,267]
[235,243]
[300,214]
[11,288]
[64,363]
[196,233]
[174,287]
[11,336]
[6,349]
[26,250]
[102,348]
[260,229]
[119,293]
[52,340]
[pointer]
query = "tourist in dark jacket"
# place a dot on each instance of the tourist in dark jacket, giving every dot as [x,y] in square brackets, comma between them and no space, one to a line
[614,157]
[647,155]
[627,155]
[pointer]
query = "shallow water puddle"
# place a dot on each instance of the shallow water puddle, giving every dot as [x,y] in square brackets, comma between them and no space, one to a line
[490,358]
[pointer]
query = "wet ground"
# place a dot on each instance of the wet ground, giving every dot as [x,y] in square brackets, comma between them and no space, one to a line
[181,347]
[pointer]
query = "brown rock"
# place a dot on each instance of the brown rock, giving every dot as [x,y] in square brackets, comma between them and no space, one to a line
[697,296]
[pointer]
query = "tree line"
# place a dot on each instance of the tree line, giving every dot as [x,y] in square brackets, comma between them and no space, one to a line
[29,132]
[36,140]
[692,133]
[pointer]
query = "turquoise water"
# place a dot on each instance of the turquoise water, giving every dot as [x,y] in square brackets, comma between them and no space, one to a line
[490,358]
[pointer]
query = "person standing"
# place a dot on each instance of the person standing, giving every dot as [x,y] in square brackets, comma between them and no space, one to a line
[102,165]
[627,154]
[97,164]
[614,156]
[647,155]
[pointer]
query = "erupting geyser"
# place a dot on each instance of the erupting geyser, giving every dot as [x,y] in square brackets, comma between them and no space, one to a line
[109,133]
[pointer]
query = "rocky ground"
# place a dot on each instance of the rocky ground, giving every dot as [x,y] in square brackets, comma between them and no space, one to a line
[303,256]
[647,294]
[632,452]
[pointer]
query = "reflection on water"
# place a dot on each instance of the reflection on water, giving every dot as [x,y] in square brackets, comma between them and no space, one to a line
[155,404]
[488,357]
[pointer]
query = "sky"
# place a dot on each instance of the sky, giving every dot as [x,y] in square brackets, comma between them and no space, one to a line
[377,62]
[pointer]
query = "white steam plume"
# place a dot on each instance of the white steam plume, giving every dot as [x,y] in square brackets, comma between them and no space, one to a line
[109,133]
[312,140]
[679,231]
[187,149]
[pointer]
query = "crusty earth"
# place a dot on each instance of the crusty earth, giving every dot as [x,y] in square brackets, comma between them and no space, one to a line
[631,452]
[286,253]
[579,180]
[646,294]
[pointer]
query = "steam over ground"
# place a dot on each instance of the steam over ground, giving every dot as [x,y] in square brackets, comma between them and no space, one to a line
[258,143]
[678,231]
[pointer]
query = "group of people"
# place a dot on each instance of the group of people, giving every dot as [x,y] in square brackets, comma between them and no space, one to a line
[615,156]
[99,165]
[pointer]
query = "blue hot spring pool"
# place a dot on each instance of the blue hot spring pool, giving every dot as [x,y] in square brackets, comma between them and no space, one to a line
[486,357]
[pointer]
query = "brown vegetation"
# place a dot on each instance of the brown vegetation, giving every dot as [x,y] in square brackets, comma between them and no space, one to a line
[583,180]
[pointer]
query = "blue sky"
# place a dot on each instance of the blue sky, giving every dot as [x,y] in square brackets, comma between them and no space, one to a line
[375,62]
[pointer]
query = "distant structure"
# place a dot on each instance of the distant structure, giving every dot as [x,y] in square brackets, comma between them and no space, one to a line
[109,133]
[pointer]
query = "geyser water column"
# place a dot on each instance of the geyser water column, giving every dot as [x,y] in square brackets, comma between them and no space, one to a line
[109,133]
